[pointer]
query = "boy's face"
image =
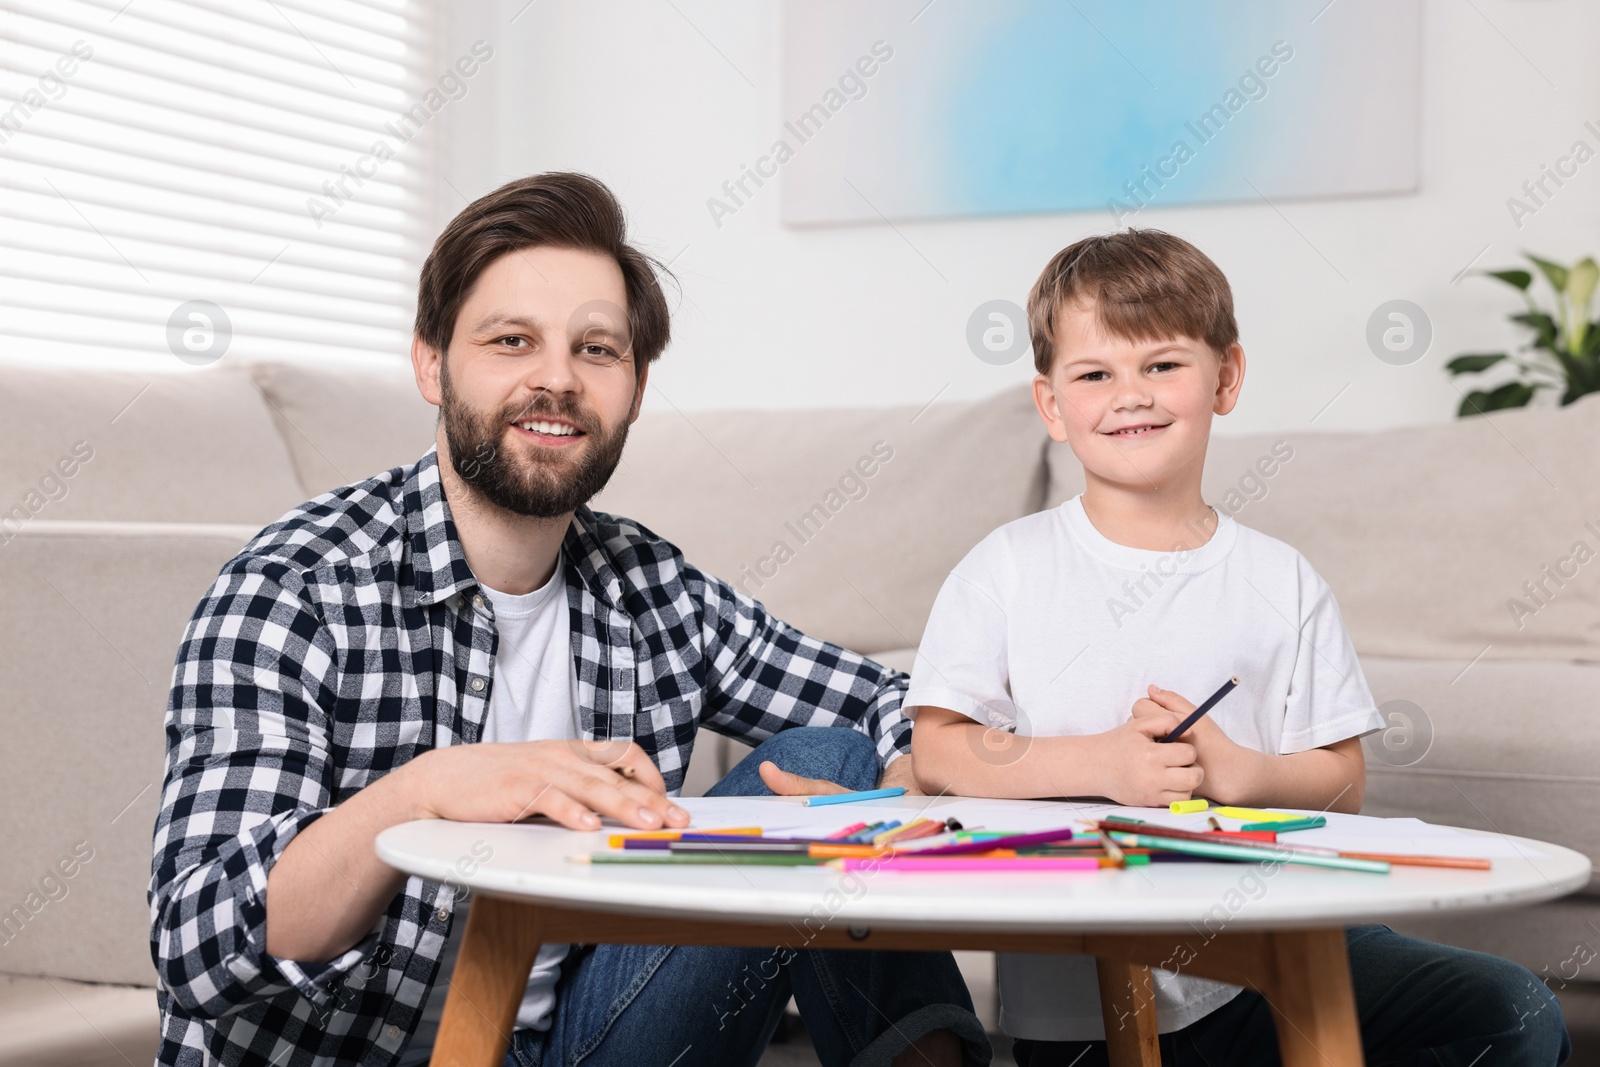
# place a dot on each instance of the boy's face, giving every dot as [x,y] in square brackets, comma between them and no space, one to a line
[1137,414]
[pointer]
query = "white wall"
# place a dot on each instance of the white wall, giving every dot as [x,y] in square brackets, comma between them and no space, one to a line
[652,96]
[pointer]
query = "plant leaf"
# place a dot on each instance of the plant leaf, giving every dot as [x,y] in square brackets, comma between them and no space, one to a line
[1581,282]
[1591,341]
[1520,279]
[1554,271]
[1541,323]
[1467,364]
[1509,395]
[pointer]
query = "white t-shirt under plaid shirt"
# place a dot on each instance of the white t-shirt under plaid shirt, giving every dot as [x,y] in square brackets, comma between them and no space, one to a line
[1049,628]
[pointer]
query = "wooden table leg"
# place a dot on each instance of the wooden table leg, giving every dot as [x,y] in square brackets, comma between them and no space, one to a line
[499,949]
[1128,1008]
[1313,1003]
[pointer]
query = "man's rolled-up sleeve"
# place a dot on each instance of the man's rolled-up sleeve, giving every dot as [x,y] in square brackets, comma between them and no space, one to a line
[765,675]
[247,769]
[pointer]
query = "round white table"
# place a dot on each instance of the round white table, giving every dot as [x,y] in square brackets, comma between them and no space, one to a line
[1275,928]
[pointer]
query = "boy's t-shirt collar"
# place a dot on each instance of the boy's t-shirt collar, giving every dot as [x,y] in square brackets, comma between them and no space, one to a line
[1197,557]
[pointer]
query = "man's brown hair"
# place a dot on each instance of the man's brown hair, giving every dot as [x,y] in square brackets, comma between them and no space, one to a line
[1143,285]
[561,209]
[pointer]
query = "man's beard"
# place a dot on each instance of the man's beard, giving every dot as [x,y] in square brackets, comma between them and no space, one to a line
[539,487]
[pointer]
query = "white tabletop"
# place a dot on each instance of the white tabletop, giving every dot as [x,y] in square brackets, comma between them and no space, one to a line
[530,861]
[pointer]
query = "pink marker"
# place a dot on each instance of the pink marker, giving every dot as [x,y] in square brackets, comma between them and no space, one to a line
[966,863]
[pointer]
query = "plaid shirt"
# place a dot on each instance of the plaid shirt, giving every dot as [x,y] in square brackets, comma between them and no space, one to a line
[346,639]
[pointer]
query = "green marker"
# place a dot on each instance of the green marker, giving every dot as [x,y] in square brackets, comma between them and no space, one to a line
[1310,822]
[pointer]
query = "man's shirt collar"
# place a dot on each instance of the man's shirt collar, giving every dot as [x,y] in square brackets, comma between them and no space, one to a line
[438,565]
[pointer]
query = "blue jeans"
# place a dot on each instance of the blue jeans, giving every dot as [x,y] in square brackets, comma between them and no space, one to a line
[1420,1005]
[663,1006]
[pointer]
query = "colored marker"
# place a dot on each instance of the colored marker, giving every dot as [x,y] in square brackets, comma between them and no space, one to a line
[1282,826]
[1186,807]
[927,828]
[865,835]
[840,835]
[851,798]
[898,832]
[1256,814]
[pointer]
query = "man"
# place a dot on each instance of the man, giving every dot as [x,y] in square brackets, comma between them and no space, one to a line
[464,639]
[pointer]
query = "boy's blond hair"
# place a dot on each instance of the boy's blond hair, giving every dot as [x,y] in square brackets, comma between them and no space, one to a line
[1143,285]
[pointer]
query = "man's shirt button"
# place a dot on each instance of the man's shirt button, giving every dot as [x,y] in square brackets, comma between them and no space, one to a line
[477,685]
[392,1032]
[444,914]
[477,601]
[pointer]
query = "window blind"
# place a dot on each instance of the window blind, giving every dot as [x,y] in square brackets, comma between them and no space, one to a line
[207,179]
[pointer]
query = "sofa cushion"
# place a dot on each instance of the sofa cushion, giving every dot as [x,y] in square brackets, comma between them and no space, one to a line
[1430,535]
[345,424]
[50,1022]
[843,522]
[93,615]
[195,445]
[1505,747]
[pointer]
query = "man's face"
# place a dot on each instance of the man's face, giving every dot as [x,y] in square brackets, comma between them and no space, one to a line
[535,405]
[1135,413]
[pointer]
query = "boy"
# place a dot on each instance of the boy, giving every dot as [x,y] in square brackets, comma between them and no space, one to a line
[1086,632]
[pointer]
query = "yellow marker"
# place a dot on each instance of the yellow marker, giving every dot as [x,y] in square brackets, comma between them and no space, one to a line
[1257,815]
[1185,807]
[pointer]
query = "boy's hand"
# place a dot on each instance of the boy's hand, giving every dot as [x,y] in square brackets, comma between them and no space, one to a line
[1142,773]
[1228,766]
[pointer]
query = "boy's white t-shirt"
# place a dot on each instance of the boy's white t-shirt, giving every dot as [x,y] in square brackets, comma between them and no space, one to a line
[534,698]
[1049,628]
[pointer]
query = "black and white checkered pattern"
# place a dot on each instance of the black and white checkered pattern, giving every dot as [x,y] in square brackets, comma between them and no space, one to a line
[345,640]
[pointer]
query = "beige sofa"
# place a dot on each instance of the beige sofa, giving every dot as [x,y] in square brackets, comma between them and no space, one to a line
[121,496]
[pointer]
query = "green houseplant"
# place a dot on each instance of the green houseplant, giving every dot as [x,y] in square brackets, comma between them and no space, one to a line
[1564,352]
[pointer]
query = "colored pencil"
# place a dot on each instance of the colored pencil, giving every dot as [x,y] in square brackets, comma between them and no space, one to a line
[1005,841]
[1394,859]
[1462,862]
[617,840]
[1123,827]
[974,863]
[1256,853]
[851,798]
[733,848]
[700,858]
[1197,713]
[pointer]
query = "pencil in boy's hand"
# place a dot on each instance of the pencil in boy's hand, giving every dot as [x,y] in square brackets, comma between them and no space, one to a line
[1195,715]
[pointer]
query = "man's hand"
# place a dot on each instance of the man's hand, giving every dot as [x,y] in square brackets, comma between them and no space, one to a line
[1230,768]
[1137,770]
[572,782]
[785,784]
